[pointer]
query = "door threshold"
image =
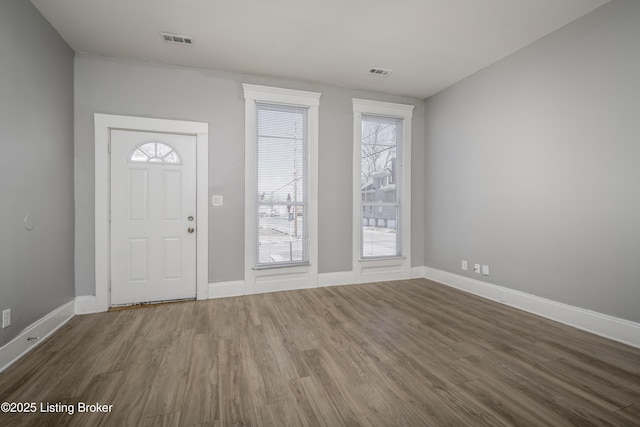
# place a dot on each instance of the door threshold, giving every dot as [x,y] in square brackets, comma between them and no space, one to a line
[147,304]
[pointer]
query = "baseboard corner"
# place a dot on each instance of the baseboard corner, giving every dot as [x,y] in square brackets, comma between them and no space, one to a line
[418,272]
[226,289]
[86,304]
[40,329]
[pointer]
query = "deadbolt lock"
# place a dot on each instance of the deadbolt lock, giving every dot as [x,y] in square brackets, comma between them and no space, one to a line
[190,218]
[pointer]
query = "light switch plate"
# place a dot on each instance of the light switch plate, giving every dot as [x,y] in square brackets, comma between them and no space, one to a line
[217,200]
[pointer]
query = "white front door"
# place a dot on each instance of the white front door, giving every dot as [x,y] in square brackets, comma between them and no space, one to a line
[153,217]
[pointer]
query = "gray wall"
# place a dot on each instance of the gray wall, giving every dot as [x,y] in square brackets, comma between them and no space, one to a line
[532,166]
[128,87]
[36,167]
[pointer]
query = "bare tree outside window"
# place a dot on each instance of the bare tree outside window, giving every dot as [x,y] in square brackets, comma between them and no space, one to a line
[378,148]
[381,144]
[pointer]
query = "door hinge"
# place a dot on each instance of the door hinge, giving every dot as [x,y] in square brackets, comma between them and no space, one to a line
[109,285]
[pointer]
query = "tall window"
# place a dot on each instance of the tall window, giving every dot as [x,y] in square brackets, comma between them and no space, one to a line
[281,188]
[282,185]
[381,185]
[382,190]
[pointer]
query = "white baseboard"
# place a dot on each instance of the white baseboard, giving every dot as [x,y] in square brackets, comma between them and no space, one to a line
[86,304]
[237,287]
[42,328]
[335,279]
[287,282]
[226,289]
[621,330]
[348,277]
[418,272]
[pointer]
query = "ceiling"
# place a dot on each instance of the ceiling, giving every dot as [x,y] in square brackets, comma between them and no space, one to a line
[429,44]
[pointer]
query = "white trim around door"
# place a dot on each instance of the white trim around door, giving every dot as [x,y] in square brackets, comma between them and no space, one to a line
[103,123]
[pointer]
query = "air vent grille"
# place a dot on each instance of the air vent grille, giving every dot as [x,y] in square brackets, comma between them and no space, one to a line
[379,72]
[176,38]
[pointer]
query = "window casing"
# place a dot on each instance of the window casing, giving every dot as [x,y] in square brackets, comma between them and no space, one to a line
[281,187]
[381,190]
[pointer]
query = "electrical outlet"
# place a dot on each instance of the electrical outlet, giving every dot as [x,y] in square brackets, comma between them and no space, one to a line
[476,268]
[464,264]
[485,269]
[6,318]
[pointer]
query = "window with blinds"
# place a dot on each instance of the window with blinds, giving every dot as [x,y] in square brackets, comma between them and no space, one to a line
[281,184]
[381,185]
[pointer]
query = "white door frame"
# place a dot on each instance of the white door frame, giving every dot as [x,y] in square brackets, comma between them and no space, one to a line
[103,123]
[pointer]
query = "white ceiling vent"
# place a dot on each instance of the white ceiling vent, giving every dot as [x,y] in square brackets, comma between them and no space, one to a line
[379,72]
[176,38]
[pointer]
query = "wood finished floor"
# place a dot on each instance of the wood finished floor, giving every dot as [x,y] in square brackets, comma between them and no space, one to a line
[398,353]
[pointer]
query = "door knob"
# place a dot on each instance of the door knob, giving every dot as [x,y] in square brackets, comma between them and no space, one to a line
[191,229]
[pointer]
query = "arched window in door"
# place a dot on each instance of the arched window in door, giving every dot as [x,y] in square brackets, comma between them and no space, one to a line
[154,152]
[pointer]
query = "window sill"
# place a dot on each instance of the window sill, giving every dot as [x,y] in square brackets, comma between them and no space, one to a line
[384,258]
[281,269]
[269,267]
[382,262]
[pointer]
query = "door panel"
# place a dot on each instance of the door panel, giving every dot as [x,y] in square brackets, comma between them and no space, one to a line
[171,255]
[138,195]
[153,206]
[138,255]
[171,195]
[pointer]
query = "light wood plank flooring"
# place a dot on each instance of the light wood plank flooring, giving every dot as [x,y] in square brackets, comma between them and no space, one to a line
[398,353]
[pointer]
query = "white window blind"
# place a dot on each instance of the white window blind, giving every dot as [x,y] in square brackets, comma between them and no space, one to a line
[282,147]
[381,186]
